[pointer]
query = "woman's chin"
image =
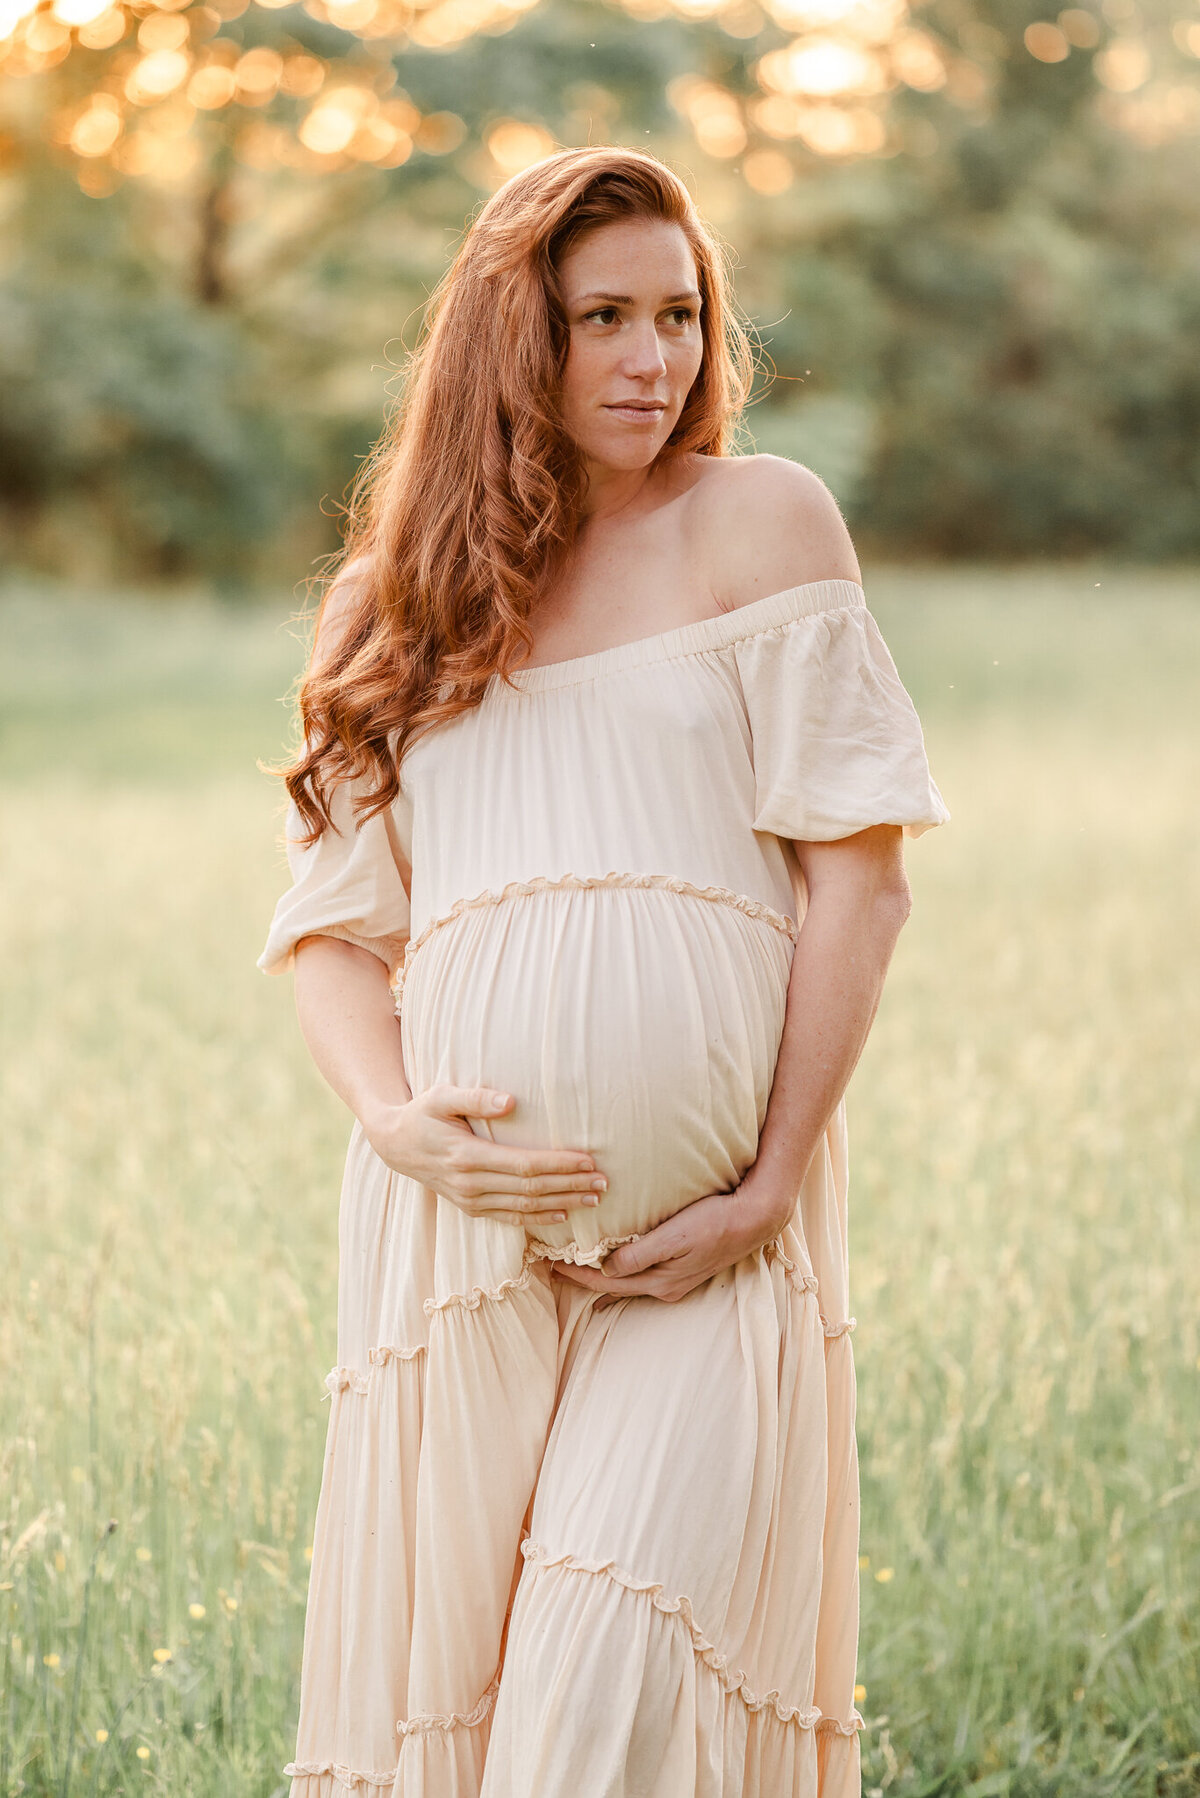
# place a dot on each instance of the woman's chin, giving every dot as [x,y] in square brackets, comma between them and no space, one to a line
[626,456]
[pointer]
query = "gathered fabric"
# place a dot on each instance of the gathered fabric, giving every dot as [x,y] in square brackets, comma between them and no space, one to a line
[564,1546]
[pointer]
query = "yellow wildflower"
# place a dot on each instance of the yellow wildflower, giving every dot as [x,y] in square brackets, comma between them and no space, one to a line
[196,1611]
[860,1694]
[51,1660]
[143,1554]
[885,1574]
[102,1735]
[143,1753]
[60,1562]
[864,1561]
[162,1654]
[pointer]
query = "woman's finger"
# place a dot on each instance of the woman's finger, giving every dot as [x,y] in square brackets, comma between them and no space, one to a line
[519,1218]
[520,1169]
[552,1213]
[532,1188]
[656,1249]
[445,1103]
[632,1286]
[665,1283]
[446,1100]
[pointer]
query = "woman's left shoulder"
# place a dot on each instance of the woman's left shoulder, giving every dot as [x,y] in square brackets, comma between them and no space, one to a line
[769,523]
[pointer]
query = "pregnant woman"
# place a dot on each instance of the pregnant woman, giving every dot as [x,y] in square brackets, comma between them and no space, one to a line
[596,847]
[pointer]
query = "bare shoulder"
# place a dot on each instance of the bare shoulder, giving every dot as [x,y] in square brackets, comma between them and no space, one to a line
[766,523]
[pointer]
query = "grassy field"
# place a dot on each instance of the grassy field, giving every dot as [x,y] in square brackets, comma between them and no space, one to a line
[1024,1132]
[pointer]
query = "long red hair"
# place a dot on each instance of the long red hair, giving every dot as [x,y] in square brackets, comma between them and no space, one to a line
[470,499]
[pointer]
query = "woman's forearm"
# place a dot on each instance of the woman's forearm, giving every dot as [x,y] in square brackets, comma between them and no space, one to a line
[838,970]
[347,1018]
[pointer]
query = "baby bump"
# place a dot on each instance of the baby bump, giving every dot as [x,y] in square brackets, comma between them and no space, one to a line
[640,1024]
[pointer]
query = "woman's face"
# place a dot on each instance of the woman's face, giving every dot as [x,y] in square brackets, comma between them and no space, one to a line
[632,301]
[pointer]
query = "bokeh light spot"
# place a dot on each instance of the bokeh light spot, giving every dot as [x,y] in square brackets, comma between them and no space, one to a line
[1046,42]
[1079,27]
[514,146]
[1123,65]
[768,171]
[822,66]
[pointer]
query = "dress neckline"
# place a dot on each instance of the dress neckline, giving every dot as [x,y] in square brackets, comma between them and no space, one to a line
[691,639]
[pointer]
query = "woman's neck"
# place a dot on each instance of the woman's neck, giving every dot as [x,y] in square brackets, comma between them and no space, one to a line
[611,490]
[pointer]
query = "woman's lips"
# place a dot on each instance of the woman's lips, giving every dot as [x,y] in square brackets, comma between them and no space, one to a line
[638,415]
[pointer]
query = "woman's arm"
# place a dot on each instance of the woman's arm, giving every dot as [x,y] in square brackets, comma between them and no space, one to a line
[347,1018]
[858,902]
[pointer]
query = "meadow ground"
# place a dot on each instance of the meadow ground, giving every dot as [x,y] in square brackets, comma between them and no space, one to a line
[1024,1137]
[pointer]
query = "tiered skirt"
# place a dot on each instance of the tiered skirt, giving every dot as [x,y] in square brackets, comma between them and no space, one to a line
[576,1550]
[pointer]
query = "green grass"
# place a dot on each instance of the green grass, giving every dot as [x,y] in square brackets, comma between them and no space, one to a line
[1024,1136]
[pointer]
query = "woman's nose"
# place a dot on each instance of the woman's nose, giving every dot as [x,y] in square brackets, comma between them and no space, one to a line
[643,355]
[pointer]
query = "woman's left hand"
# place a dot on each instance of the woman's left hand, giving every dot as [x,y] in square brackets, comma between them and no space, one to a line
[689,1248]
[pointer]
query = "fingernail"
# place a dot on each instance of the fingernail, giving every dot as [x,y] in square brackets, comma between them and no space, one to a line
[591,1198]
[500,1100]
[558,1217]
[600,1185]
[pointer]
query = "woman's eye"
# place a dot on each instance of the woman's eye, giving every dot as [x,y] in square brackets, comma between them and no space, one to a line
[603,315]
[683,315]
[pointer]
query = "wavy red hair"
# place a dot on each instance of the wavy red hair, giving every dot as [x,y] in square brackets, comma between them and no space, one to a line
[470,500]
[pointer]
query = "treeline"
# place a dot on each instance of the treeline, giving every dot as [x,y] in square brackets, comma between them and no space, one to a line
[986,337]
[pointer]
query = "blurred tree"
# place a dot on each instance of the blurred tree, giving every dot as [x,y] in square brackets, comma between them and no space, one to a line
[1041,387]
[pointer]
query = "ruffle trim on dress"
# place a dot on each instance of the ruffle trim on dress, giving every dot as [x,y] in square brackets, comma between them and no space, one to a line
[542,883]
[455,1719]
[346,1776]
[479,1295]
[338,1379]
[426,1724]
[342,1379]
[835,1727]
[705,1650]
[775,1251]
[353,1379]
[576,1252]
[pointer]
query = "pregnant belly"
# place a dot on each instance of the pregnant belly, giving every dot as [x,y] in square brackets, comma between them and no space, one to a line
[639,1024]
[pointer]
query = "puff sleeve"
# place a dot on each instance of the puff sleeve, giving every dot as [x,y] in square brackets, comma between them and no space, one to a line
[837,743]
[351,883]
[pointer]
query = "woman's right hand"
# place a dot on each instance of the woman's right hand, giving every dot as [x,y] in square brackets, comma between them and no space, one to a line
[428,1139]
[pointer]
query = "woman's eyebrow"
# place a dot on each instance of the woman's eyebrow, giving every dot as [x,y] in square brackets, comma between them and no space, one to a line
[626,299]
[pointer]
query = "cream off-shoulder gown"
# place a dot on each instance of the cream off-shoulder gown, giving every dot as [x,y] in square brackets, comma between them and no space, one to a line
[561,1550]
